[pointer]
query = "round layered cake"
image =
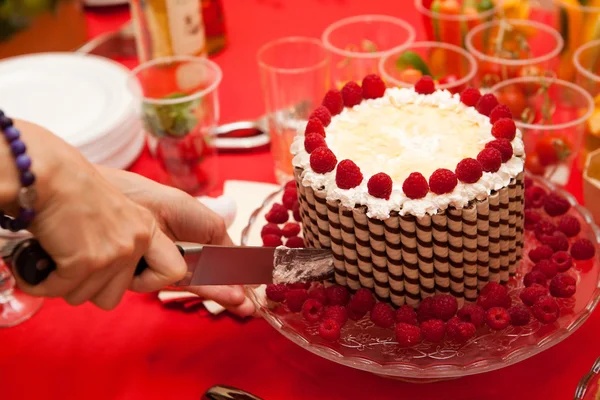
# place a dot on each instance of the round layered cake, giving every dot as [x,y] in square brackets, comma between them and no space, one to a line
[417,192]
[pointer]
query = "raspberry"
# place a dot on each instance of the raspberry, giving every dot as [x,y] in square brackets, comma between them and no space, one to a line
[276,292]
[444,307]
[301,285]
[362,300]
[415,186]
[442,181]
[532,217]
[569,225]
[290,229]
[278,214]
[291,185]
[469,170]
[497,318]
[295,298]
[503,146]
[433,330]
[504,128]
[558,241]
[355,315]
[322,114]
[583,249]
[373,87]
[382,315]
[530,294]
[547,267]
[270,229]
[380,186]
[563,261]
[322,160]
[289,199]
[312,310]
[406,314]
[348,175]
[486,104]
[472,313]
[352,94]
[425,310]
[330,329]
[295,242]
[534,196]
[459,331]
[296,212]
[333,101]
[337,313]
[545,309]
[425,85]
[527,182]
[535,277]
[270,240]
[563,286]
[556,205]
[314,125]
[541,253]
[500,111]
[407,335]
[544,228]
[519,315]
[490,159]
[313,141]
[470,96]
[493,295]
[337,295]
[318,292]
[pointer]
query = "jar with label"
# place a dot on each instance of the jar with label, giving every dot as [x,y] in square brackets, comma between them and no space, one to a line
[168,28]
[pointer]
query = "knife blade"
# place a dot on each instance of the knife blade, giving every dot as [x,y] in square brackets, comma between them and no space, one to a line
[207,264]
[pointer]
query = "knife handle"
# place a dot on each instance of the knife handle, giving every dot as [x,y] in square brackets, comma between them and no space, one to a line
[33,264]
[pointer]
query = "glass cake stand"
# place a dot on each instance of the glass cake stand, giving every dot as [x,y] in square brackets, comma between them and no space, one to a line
[366,347]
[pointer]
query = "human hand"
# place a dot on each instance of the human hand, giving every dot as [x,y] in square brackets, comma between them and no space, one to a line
[95,234]
[183,218]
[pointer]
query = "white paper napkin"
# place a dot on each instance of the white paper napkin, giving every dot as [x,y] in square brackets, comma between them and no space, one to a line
[247,196]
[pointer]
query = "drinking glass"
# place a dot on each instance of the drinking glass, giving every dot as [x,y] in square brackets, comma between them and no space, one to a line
[551,113]
[15,306]
[510,48]
[449,21]
[577,24]
[586,61]
[356,44]
[451,66]
[295,75]
[178,102]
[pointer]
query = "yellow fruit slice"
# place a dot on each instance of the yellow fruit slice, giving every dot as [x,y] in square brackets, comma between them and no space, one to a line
[593,123]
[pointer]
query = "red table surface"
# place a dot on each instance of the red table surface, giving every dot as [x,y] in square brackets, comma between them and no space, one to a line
[142,350]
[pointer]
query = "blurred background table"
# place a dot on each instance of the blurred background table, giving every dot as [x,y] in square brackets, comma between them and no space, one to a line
[145,350]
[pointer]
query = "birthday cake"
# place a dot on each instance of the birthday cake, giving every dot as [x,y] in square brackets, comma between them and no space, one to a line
[416,191]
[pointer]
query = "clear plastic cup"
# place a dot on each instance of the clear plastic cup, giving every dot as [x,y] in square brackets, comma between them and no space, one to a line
[179,107]
[507,49]
[295,76]
[552,114]
[451,66]
[356,44]
[449,22]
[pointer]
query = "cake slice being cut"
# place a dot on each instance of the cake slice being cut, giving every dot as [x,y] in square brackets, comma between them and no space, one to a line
[416,192]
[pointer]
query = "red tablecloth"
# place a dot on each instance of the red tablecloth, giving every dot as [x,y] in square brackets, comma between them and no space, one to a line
[145,351]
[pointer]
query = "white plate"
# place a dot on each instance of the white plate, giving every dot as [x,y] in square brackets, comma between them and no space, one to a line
[80,98]
[125,156]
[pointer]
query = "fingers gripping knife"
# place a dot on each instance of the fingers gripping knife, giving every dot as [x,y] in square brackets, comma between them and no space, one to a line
[206,265]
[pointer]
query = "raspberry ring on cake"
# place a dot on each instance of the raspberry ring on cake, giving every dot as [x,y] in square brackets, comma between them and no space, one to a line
[416,191]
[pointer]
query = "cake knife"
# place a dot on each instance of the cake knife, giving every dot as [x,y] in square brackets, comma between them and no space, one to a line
[207,264]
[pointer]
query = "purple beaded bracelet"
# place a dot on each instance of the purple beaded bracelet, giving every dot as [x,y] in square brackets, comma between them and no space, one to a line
[27,195]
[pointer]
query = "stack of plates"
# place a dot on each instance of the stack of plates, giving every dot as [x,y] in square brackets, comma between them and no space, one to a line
[83,99]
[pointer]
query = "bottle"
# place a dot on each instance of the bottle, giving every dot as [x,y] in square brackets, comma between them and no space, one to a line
[212,13]
[168,28]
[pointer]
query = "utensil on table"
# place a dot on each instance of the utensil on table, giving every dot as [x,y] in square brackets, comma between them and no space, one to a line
[221,392]
[207,265]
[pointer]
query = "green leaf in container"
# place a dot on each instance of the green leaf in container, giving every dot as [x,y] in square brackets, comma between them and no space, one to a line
[170,119]
[410,59]
[485,5]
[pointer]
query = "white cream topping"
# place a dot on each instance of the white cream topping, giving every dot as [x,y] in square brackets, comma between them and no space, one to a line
[405,132]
